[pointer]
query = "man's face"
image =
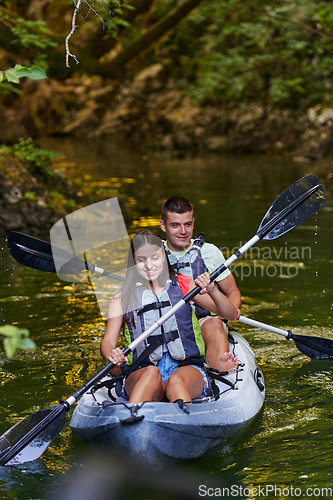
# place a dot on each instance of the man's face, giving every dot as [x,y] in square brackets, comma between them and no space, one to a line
[178,229]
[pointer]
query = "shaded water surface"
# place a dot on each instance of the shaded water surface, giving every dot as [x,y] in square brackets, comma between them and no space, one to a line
[286,283]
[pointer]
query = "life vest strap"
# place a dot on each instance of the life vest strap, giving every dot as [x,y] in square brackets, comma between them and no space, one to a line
[181,265]
[153,342]
[165,337]
[195,360]
[153,305]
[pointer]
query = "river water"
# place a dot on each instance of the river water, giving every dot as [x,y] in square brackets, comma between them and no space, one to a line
[285,283]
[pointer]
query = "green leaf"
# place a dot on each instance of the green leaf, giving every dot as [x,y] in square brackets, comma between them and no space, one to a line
[12,76]
[10,345]
[9,330]
[21,71]
[16,338]
[36,73]
[26,344]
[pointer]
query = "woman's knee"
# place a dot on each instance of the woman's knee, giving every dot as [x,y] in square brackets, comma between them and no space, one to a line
[175,379]
[152,375]
[188,378]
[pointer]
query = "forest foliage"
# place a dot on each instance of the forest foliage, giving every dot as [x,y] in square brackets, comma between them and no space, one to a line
[275,53]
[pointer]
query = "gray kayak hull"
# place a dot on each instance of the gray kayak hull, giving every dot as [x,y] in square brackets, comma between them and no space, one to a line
[162,431]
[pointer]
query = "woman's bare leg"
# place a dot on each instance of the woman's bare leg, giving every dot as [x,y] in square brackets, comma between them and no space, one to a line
[145,384]
[185,383]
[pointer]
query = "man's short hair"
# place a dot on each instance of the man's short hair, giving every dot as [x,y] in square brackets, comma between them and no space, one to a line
[176,204]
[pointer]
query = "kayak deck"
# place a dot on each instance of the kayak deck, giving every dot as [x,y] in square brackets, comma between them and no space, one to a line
[159,431]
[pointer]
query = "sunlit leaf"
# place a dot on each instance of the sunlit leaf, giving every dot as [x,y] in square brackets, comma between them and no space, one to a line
[10,345]
[9,330]
[12,76]
[21,71]
[15,338]
[26,344]
[36,73]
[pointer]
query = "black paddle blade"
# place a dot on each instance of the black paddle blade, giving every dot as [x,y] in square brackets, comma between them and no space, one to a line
[31,252]
[313,347]
[37,254]
[295,205]
[18,437]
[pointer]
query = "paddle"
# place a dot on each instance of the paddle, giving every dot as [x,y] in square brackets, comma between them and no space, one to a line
[35,253]
[313,347]
[295,205]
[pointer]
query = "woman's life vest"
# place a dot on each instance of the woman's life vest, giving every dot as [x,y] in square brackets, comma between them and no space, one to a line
[192,265]
[180,334]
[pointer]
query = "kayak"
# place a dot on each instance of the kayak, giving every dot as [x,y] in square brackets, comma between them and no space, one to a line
[160,432]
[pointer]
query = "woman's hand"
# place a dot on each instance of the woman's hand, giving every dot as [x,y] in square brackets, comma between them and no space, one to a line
[204,282]
[214,300]
[117,357]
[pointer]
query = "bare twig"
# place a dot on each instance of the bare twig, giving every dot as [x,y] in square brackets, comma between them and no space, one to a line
[68,53]
[78,5]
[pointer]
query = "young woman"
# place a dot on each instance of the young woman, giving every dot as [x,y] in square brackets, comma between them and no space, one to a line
[174,369]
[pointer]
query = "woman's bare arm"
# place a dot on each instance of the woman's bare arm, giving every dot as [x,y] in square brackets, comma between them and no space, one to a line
[212,299]
[108,348]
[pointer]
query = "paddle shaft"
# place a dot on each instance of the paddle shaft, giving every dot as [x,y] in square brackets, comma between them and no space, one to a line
[258,324]
[313,347]
[127,350]
[133,345]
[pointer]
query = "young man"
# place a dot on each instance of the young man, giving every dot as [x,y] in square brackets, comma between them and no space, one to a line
[192,257]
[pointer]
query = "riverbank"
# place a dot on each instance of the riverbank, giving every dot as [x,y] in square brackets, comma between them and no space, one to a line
[35,192]
[149,111]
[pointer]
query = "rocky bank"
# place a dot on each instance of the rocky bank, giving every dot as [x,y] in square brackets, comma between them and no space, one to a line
[35,194]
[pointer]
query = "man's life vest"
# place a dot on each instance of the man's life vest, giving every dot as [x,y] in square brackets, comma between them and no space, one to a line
[192,265]
[180,334]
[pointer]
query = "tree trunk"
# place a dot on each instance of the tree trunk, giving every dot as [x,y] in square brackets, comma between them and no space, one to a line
[113,64]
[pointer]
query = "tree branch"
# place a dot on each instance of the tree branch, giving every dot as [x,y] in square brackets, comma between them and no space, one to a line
[111,63]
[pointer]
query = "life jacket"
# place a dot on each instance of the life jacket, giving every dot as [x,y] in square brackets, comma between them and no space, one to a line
[181,333]
[192,265]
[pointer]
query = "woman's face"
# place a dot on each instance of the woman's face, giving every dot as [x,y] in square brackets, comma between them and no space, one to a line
[149,261]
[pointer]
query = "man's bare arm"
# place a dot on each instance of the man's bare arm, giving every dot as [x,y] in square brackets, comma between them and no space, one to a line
[229,288]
